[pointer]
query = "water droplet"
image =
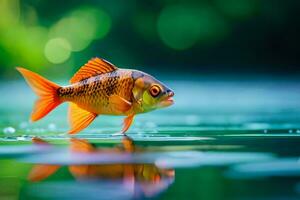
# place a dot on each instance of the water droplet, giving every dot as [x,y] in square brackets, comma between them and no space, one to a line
[21,138]
[9,130]
[265,131]
[290,131]
[52,127]
[23,125]
[298,131]
[24,138]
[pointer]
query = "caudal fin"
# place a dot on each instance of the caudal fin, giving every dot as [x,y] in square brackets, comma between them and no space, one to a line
[45,90]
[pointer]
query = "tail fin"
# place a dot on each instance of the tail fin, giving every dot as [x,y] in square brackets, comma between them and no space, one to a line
[45,90]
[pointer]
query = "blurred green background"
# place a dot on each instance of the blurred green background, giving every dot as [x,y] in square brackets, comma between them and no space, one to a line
[162,36]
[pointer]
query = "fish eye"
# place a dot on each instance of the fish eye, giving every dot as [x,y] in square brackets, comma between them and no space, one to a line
[155,90]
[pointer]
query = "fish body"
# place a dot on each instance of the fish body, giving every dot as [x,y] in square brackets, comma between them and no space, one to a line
[94,93]
[99,88]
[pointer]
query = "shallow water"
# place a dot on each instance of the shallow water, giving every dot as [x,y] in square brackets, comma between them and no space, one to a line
[221,140]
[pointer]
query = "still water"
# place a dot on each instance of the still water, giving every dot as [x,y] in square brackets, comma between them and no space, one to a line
[221,140]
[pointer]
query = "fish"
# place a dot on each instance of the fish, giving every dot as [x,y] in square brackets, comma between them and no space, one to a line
[147,177]
[99,88]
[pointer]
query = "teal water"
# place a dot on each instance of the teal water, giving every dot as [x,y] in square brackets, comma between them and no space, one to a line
[228,139]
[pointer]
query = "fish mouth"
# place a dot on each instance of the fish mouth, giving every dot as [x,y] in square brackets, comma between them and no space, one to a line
[167,102]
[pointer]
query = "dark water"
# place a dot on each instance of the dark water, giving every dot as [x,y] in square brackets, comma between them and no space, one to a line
[221,140]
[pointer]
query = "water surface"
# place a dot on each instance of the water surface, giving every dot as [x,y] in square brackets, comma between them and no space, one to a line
[221,140]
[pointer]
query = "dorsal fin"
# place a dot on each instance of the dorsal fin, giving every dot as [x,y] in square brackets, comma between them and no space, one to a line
[93,67]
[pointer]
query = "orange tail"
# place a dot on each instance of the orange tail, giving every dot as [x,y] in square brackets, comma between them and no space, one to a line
[45,90]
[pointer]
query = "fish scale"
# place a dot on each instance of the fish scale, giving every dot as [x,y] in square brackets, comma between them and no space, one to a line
[93,93]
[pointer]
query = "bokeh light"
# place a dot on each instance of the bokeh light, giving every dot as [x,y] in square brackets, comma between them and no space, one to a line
[238,8]
[182,26]
[98,18]
[57,50]
[81,27]
[10,13]
[225,32]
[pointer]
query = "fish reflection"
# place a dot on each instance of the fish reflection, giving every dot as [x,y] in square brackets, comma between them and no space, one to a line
[141,179]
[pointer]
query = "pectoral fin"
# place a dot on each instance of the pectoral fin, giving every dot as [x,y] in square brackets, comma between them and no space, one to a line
[119,104]
[127,123]
[79,118]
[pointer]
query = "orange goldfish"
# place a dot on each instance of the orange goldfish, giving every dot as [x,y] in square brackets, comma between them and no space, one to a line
[99,88]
